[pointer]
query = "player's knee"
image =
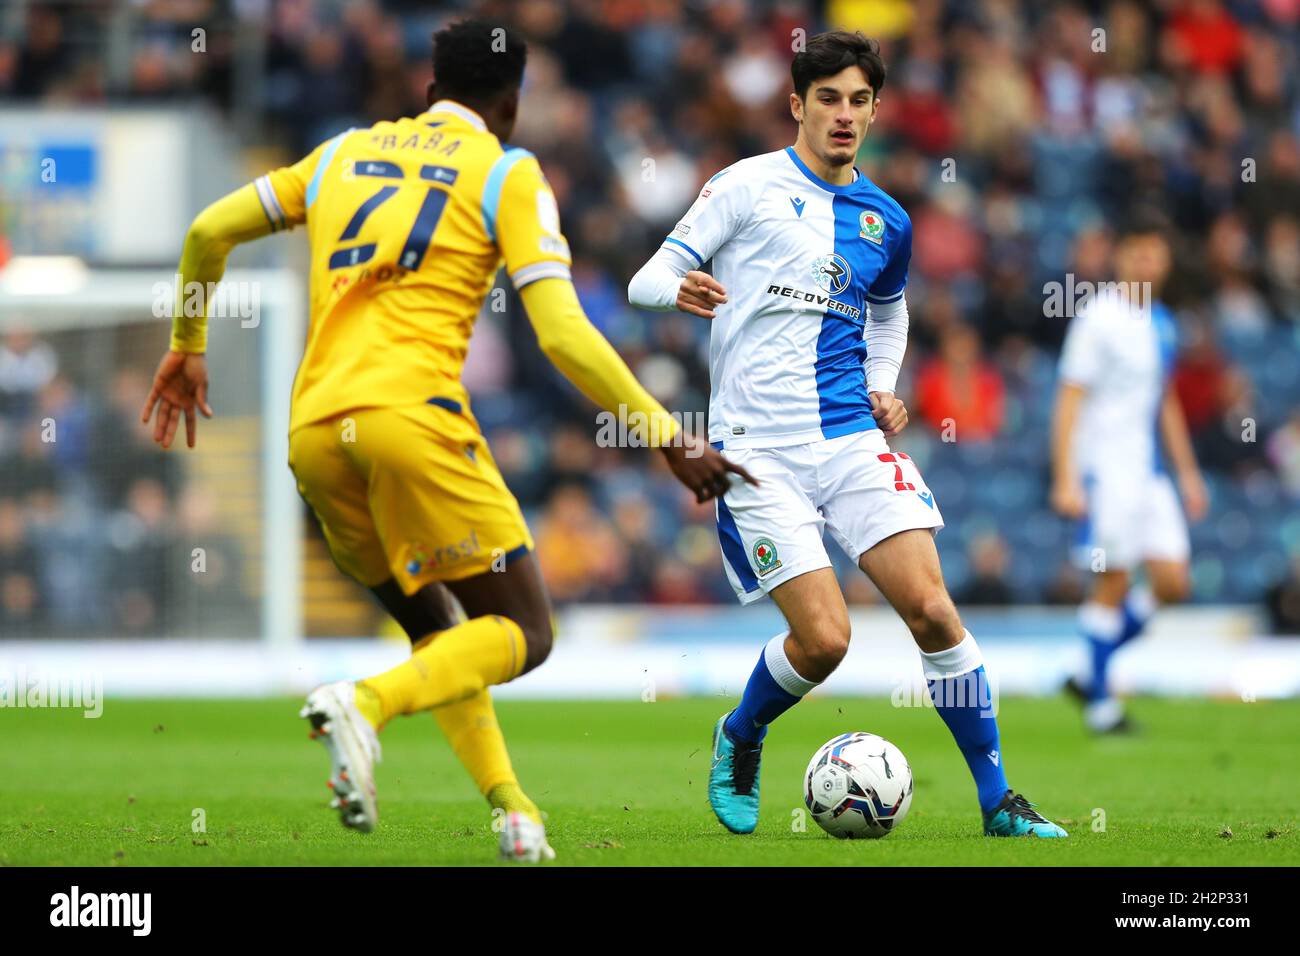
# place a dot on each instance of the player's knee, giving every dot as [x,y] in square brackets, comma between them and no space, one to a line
[1172,588]
[933,621]
[822,647]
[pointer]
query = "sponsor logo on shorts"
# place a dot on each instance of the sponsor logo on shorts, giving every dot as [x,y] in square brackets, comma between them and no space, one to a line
[425,559]
[765,556]
[927,497]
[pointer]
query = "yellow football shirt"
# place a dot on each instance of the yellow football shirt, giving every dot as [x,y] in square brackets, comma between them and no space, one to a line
[408,223]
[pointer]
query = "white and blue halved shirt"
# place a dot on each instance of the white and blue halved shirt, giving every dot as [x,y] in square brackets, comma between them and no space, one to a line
[801,260]
[1123,354]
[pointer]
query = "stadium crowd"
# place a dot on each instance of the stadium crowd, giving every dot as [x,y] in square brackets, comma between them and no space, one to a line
[1018,134]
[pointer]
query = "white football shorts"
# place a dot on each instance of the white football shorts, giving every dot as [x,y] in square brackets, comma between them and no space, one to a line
[853,485]
[1132,518]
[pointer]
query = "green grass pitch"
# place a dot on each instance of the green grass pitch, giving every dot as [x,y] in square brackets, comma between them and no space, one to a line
[623,783]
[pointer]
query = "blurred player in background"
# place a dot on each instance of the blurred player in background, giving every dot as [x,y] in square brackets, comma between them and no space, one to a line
[1115,407]
[808,256]
[408,222]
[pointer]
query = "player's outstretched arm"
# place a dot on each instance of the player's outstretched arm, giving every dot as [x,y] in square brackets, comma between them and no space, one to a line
[180,385]
[586,359]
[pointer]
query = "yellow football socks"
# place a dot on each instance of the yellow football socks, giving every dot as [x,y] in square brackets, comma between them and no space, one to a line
[511,798]
[461,662]
[475,736]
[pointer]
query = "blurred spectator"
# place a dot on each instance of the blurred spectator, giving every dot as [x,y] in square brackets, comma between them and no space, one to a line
[988,581]
[959,394]
[1284,452]
[1202,35]
[1198,376]
[27,365]
[208,560]
[1283,602]
[138,541]
[121,450]
[1065,587]
[1230,441]
[580,555]
[21,602]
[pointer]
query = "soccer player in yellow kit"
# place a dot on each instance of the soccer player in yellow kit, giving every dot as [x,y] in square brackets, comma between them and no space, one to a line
[408,222]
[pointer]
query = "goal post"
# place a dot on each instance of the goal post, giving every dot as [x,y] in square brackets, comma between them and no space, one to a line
[100,320]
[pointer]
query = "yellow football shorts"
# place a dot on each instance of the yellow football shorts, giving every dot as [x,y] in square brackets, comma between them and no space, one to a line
[410,493]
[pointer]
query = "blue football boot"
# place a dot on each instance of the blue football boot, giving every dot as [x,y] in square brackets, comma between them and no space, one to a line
[733,780]
[1015,817]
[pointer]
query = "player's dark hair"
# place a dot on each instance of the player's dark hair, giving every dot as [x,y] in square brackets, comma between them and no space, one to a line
[828,53]
[1145,221]
[474,60]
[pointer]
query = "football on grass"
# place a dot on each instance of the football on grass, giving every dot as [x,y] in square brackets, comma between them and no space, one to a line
[858,785]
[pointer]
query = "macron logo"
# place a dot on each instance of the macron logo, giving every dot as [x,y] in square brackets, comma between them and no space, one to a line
[928,498]
[798,206]
[993,755]
[102,909]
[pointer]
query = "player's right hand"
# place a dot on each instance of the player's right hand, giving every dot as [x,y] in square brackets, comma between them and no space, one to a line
[179,386]
[699,293]
[702,468]
[1068,498]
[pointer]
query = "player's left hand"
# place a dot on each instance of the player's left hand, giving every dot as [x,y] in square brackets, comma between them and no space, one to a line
[179,386]
[1196,500]
[890,412]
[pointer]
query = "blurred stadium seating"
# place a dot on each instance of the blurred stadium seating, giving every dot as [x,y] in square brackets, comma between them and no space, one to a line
[1016,149]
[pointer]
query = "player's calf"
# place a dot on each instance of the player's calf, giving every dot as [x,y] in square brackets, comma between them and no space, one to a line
[517,593]
[933,620]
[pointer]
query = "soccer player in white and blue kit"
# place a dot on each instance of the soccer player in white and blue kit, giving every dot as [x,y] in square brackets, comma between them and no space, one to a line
[806,295]
[1114,411]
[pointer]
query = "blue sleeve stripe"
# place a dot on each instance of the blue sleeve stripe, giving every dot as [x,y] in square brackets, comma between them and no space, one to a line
[313,187]
[496,180]
[698,258]
[886,299]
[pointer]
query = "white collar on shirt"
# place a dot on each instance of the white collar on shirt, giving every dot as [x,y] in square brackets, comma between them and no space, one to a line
[464,112]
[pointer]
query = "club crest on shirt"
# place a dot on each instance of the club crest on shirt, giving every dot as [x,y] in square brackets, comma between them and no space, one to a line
[765,558]
[871,226]
[831,273]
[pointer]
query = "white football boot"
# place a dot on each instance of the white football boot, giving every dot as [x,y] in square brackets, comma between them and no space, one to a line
[523,839]
[354,750]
